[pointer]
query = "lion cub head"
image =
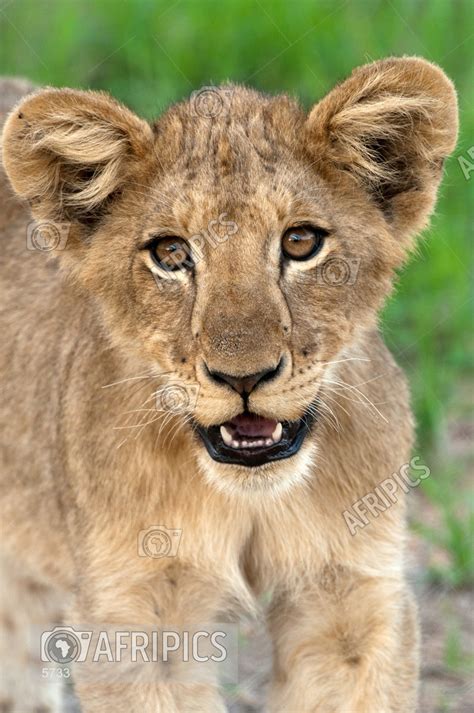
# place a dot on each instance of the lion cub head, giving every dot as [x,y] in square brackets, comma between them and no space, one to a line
[242,249]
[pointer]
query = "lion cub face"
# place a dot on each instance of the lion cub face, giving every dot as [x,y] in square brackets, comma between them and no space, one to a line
[242,254]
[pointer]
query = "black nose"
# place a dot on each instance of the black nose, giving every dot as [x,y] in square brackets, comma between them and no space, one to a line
[244,384]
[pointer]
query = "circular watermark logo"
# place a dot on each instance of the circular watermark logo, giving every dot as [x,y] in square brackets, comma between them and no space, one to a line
[62,647]
[45,237]
[156,544]
[208,102]
[336,271]
[173,398]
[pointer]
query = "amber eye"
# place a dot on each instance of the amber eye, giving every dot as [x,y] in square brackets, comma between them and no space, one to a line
[302,242]
[171,253]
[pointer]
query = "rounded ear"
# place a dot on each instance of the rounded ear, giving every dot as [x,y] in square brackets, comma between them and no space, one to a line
[390,125]
[68,152]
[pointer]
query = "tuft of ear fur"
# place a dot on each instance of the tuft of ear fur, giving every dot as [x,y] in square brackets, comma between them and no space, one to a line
[67,152]
[390,125]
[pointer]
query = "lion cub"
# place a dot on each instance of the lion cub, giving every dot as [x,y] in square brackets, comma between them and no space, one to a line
[195,392]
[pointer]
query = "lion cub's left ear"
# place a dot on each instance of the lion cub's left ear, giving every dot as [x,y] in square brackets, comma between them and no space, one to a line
[390,125]
[68,152]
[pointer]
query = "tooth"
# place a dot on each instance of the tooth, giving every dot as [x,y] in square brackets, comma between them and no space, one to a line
[269,442]
[226,436]
[260,443]
[244,444]
[235,444]
[277,433]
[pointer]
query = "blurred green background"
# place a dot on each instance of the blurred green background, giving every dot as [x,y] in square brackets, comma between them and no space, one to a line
[150,53]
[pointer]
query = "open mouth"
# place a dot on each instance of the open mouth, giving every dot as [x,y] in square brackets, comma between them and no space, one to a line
[251,440]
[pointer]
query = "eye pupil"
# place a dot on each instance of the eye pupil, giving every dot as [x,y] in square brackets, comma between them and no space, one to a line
[302,242]
[171,253]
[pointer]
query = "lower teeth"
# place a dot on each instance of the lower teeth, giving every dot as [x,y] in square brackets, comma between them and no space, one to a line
[253,443]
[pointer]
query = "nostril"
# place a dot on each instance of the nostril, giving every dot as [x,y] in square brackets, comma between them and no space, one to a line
[244,384]
[273,373]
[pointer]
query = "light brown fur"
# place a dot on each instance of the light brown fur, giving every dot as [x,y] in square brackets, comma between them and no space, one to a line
[365,164]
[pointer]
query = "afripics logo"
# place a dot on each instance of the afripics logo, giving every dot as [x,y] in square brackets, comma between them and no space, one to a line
[211,102]
[177,397]
[338,271]
[157,542]
[46,236]
[63,645]
[386,494]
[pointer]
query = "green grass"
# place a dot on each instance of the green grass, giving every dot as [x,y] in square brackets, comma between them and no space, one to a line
[456,659]
[453,534]
[150,53]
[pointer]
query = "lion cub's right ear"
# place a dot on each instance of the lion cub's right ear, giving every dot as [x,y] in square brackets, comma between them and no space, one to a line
[68,152]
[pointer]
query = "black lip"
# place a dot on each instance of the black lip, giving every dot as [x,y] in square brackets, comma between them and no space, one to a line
[294,433]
